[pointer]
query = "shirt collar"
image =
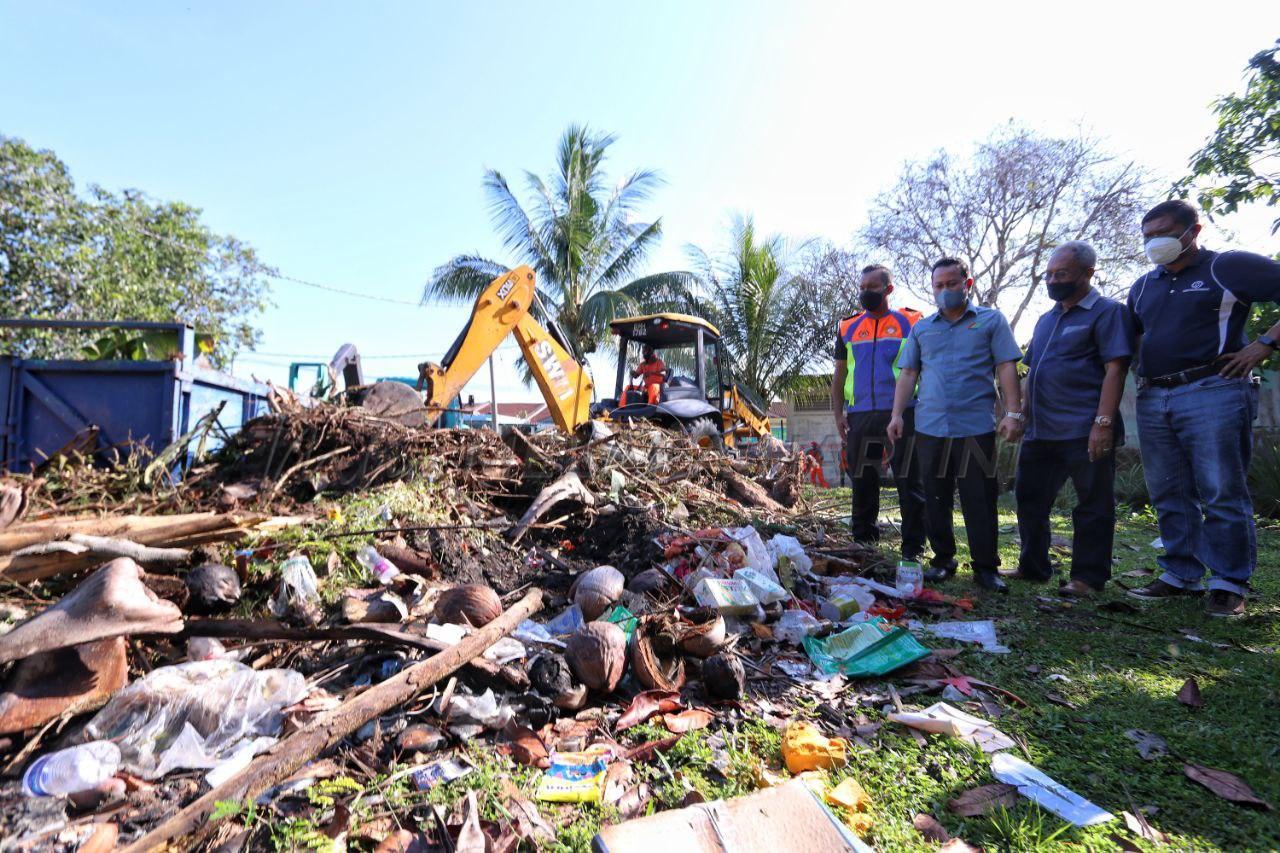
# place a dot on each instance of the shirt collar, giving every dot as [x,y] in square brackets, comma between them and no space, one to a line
[1090,300]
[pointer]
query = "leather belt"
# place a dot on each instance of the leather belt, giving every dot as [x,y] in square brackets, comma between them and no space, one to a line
[1182,377]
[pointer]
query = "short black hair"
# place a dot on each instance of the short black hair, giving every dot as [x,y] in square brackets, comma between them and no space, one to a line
[1178,210]
[886,277]
[950,262]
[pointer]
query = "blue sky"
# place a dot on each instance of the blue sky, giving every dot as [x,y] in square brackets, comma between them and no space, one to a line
[347,142]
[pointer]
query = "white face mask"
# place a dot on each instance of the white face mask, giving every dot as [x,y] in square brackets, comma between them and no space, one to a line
[1165,250]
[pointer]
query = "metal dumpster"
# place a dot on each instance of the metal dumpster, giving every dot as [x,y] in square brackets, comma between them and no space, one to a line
[49,404]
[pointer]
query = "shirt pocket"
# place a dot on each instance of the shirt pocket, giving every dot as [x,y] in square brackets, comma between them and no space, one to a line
[1073,342]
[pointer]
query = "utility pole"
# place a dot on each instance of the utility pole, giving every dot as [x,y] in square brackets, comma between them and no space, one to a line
[493,396]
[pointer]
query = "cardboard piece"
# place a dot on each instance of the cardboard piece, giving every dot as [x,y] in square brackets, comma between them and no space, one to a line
[786,817]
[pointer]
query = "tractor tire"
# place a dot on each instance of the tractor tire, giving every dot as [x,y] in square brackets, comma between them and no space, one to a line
[700,428]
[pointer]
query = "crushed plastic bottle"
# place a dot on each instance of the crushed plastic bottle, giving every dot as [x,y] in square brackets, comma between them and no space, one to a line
[377,565]
[70,771]
[384,513]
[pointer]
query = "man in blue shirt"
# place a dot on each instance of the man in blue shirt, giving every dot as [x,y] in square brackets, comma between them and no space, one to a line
[1077,360]
[1197,402]
[954,354]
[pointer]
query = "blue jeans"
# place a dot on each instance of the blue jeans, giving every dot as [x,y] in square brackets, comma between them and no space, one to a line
[1196,441]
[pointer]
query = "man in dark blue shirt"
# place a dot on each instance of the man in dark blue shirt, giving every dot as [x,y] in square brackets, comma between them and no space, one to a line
[1077,360]
[1197,402]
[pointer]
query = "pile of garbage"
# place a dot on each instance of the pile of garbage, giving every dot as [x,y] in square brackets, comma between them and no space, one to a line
[548,598]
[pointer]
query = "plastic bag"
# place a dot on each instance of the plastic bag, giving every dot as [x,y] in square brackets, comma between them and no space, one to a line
[195,715]
[575,777]
[941,718]
[981,631]
[758,556]
[782,545]
[794,626]
[868,648]
[765,590]
[1045,792]
[299,594]
[624,619]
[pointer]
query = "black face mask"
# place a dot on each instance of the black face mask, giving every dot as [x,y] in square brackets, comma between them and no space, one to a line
[1060,290]
[871,299]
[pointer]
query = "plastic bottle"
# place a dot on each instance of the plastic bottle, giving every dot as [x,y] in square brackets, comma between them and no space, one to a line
[377,565]
[384,513]
[70,771]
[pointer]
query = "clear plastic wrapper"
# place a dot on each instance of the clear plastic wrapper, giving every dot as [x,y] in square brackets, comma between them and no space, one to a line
[194,715]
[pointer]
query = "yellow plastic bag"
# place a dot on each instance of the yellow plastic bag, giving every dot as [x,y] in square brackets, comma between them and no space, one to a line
[806,748]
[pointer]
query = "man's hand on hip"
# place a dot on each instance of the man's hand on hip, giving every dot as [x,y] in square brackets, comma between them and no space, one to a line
[1239,364]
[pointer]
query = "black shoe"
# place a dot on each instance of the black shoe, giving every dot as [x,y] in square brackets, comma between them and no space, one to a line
[937,574]
[1022,575]
[990,581]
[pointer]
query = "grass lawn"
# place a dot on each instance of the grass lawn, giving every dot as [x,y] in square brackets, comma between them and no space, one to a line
[1107,671]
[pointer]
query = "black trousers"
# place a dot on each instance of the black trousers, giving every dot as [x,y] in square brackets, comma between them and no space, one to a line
[866,445]
[1043,468]
[967,464]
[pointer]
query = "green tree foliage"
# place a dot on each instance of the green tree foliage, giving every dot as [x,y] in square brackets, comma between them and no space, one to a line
[112,256]
[579,236]
[773,321]
[1244,150]
[1240,163]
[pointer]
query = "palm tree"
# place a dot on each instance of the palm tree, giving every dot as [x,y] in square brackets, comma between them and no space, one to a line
[773,322]
[579,237]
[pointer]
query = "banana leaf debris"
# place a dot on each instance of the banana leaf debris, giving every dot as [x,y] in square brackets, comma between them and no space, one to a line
[336,601]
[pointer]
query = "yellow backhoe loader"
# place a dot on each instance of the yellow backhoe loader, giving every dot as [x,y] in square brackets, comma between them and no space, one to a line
[723,413]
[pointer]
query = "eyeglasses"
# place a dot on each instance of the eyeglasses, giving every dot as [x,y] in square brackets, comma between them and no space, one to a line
[1059,275]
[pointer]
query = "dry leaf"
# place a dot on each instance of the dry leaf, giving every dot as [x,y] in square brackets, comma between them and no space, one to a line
[471,838]
[1150,746]
[1138,826]
[529,825]
[929,827]
[646,751]
[1226,785]
[688,721]
[633,802]
[762,631]
[1059,699]
[617,779]
[526,747]
[980,800]
[646,704]
[1189,695]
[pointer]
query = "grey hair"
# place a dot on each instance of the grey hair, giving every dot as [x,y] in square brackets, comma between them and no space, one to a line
[1082,252]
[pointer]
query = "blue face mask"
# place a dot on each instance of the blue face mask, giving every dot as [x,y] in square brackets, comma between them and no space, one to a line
[950,300]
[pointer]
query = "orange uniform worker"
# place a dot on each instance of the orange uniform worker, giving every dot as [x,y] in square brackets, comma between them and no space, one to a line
[653,371]
[816,476]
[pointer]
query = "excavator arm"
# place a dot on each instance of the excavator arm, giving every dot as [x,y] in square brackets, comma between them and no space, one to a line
[504,309]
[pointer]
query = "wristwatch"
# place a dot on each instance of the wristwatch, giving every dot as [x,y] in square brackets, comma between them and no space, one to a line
[1266,341]
[1017,416]
[1104,420]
